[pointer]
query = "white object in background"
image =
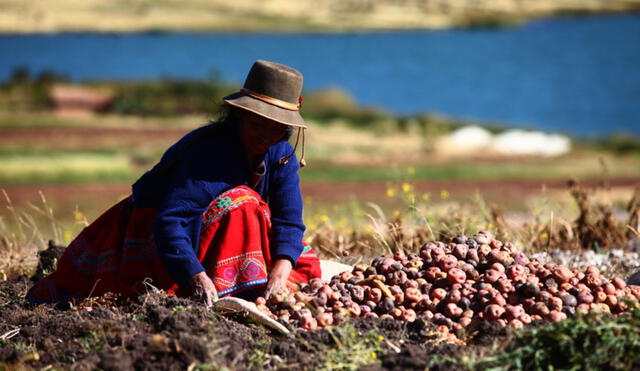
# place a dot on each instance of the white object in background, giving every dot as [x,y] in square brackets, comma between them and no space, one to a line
[520,142]
[470,136]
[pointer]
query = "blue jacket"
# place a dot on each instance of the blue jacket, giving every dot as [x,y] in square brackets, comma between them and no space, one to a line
[193,172]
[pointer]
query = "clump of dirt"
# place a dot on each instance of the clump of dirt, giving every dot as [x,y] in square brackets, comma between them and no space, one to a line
[48,259]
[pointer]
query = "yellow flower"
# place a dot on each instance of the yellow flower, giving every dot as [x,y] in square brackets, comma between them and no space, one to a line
[391,192]
[426,196]
[544,235]
[67,237]
[396,213]
[373,355]
[78,216]
[490,226]
[406,187]
[411,170]
[323,219]
[380,338]
[444,194]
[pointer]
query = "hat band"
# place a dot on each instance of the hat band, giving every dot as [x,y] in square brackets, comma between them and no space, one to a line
[270,100]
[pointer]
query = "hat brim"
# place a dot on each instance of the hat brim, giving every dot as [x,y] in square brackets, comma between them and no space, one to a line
[275,113]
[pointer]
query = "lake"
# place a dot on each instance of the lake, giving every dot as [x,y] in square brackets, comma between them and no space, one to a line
[573,75]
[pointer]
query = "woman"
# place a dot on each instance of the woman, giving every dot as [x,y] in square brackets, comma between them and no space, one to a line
[220,214]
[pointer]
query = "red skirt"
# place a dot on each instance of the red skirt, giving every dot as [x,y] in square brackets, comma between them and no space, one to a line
[117,253]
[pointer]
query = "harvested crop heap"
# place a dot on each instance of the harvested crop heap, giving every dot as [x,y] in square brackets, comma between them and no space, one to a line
[455,285]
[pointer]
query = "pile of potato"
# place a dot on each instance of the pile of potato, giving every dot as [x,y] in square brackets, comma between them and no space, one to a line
[453,285]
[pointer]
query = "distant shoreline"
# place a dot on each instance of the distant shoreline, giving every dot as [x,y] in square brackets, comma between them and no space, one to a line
[287,16]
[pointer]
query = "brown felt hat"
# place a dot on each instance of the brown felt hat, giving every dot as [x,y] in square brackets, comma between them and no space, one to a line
[271,90]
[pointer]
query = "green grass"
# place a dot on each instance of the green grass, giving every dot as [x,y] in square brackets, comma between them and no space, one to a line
[591,342]
[459,171]
[29,168]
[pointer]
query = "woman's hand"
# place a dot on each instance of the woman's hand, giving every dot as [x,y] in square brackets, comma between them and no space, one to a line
[203,289]
[278,278]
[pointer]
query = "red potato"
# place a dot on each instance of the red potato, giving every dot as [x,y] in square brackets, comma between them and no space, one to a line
[555,316]
[555,303]
[326,289]
[396,313]
[400,256]
[448,262]
[498,298]
[592,280]
[409,315]
[354,309]
[498,267]
[308,323]
[460,251]
[536,317]
[520,258]
[561,274]
[515,323]
[432,273]
[491,275]
[399,277]
[525,319]
[494,311]
[324,319]
[375,295]
[619,283]
[516,271]
[465,321]
[609,288]
[411,284]
[453,296]
[541,309]
[413,295]
[495,244]
[582,308]
[514,311]
[484,250]
[455,275]
[345,276]
[452,311]
[592,269]
[504,285]
[438,293]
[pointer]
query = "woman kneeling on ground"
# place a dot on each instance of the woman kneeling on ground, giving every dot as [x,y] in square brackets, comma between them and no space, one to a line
[220,214]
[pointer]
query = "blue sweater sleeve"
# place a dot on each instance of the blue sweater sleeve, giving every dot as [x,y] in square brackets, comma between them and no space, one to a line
[178,222]
[285,203]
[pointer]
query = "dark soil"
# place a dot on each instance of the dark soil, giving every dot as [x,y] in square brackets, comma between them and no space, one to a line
[155,331]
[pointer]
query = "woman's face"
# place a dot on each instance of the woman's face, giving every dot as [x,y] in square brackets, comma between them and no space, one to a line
[259,133]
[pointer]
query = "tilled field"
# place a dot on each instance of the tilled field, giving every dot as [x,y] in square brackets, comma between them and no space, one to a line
[154,331]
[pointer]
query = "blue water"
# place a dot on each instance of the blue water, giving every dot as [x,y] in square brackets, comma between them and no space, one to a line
[578,76]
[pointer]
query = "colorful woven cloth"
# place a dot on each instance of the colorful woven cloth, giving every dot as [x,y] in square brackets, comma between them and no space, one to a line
[116,253]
